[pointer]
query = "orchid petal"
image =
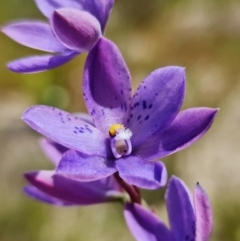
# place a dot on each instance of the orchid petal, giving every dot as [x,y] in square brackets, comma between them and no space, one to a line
[35,64]
[98,8]
[52,150]
[189,126]
[180,210]
[35,193]
[106,85]
[85,168]
[144,225]
[66,129]
[85,117]
[77,30]
[69,190]
[34,34]
[156,103]
[135,171]
[204,217]
[48,6]
[101,9]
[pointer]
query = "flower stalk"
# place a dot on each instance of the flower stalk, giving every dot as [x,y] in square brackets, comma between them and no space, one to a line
[132,190]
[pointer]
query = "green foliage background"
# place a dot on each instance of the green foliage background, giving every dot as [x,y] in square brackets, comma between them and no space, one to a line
[203,36]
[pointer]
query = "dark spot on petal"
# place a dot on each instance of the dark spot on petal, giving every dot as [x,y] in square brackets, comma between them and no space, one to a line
[122,92]
[131,116]
[144,104]
[145,87]
[147,117]
[116,98]
[121,106]
[187,237]
[69,119]
[75,132]
[139,117]
[103,112]
[60,113]
[150,106]
[89,130]
[156,94]
[136,104]
[76,117]
[118,73]
[125,106]
[81,131]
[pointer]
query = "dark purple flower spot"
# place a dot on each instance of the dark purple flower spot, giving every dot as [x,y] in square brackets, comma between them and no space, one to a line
[103,112]
[122,92]
[69,119]
[76,117]
[76,127]
[150,106]
[116,98]
[60,113]
[139,117]
[136,104]
[89,130]
[147,117]
[75,132]
[118,73]
[131,116]
[145,87]
[144,104]
[187,237]
[125,106]
[81,131]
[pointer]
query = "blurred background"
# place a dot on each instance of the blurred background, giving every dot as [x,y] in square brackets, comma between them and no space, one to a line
[204,37]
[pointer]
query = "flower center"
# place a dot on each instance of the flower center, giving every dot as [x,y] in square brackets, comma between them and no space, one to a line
[120,140]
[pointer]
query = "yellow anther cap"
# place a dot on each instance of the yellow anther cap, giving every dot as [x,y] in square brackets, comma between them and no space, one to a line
[114,129]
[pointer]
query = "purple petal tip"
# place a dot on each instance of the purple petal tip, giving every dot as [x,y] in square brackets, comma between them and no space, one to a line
[77,30]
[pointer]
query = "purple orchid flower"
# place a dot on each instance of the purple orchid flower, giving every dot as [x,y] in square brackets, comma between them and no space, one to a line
[188,221]
[53,188]
[75,26]
[129,132]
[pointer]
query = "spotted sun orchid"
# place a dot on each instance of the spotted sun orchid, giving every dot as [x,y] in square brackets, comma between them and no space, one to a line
[74,27]
[53,188]
[189,221]
[128,132]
